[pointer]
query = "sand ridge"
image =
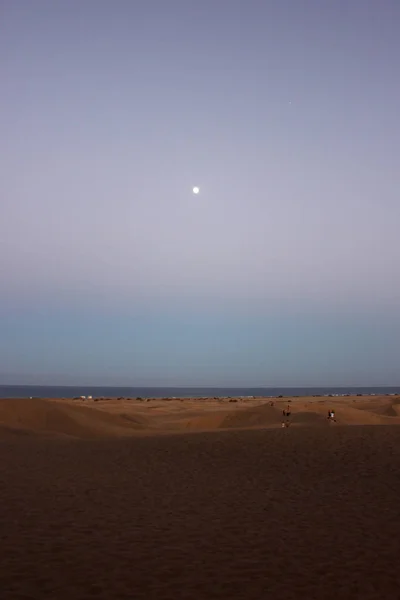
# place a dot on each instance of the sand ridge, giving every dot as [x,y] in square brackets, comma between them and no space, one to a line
[39,416]
[88,419]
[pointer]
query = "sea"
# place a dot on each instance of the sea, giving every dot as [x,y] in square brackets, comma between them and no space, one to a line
[48,391]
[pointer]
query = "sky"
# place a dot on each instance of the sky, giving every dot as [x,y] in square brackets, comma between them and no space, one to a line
[283,270]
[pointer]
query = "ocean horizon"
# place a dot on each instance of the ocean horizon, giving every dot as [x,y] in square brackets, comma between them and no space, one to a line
[54,391]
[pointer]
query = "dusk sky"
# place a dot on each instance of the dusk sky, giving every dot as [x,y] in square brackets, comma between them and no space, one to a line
[284,270]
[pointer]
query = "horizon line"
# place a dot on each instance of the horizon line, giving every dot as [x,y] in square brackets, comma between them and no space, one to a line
[204,387]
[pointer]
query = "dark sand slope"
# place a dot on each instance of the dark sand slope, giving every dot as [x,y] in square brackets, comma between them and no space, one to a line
[304,512]
[47,417]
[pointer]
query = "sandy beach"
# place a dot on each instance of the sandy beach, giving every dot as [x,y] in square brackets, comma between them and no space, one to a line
[199,499]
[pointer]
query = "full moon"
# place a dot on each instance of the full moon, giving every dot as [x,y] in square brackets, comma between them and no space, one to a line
[196,190]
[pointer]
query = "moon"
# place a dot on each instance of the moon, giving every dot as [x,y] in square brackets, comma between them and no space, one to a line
[196,190]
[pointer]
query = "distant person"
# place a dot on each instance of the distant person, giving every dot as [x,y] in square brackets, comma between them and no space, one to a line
[331,416]
[286,414]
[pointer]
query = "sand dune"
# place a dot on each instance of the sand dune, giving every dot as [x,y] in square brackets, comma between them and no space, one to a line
[350,414]
[197,499]
[390,408]
[114,418]
[38,416]
[264,416]
[302,414]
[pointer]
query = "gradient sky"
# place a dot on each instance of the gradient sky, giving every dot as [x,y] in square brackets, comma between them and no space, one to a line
[284,270]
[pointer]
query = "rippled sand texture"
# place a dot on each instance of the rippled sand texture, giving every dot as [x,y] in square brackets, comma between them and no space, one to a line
[304,512]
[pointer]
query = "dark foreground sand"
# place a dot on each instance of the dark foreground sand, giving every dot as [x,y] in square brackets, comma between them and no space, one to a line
[282,514]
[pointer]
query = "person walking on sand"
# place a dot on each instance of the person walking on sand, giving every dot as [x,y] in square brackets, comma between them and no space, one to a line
[331,416]
[286,415]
